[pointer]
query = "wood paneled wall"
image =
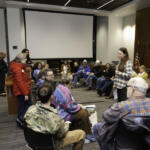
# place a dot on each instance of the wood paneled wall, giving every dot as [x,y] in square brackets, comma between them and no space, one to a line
[142,37]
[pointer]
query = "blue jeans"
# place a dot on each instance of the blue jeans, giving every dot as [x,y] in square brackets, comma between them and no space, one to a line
[23,106]
[96,133]
[77,76]
[90,79]
[100,82]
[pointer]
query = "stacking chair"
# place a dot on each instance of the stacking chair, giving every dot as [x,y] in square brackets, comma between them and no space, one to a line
[133,133]
[38,141]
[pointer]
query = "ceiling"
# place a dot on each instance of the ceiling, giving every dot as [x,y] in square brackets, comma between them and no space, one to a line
[89,4]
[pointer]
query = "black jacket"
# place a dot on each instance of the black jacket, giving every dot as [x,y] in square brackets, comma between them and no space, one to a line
[97,71]
[3,67]
[108,73]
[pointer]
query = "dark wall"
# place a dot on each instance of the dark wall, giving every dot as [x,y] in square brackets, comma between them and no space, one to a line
[142,37]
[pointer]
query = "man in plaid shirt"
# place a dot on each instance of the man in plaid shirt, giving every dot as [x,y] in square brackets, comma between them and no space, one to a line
[136,105]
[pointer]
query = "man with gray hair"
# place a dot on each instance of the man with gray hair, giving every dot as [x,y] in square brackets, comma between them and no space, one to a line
[83,72]
[136,105]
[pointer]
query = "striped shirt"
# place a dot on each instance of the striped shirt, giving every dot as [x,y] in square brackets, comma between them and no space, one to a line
[121,79]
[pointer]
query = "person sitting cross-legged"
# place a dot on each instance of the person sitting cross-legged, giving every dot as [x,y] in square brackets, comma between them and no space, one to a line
[44,119]
[136,105]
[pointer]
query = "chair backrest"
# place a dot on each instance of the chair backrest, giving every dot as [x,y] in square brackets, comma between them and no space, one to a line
[133,133]
[38,141]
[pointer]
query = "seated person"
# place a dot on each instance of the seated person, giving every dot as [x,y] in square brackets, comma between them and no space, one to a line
[44,119]
[69,110]
[36,69]
[83,72]
[136,105]
[66,71]
[74,67]
[45,75]
[96,72]
[142,73]
[105,83]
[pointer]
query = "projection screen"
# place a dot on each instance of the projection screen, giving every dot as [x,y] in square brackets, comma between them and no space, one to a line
[58,35]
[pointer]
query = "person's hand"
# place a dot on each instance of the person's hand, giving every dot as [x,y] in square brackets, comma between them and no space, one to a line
[68,122]
[116,72]
[82,106]
[112,78]
[26,98]
[91,73]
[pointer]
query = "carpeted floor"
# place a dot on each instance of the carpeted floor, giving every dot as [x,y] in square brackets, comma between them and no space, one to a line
[12,138]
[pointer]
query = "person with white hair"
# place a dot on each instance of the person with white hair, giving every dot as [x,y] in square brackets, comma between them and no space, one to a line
[21,85]
[95,73]
[136,105]
[83,72]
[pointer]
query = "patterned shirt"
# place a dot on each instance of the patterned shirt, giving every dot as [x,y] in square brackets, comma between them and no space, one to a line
[65,103]
[135,107]
[121,79]
[44,119]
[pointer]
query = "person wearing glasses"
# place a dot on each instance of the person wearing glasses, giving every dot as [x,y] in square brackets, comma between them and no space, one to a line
[136,105]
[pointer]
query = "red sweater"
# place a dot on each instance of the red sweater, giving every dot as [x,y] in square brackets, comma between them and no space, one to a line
[21,82]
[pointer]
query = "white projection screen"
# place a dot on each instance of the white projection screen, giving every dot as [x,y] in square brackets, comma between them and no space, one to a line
[58,35]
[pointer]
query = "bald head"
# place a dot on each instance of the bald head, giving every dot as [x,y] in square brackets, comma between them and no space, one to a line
[2,55]
[137,86]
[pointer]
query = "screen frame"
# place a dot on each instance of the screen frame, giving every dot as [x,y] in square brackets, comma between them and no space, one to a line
[50,11]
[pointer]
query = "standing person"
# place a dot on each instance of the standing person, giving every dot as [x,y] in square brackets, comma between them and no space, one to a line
[21,85]
[3,71]
[122,74]
[26,51]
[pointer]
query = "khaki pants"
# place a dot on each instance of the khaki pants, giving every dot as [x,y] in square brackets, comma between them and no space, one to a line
[75,137]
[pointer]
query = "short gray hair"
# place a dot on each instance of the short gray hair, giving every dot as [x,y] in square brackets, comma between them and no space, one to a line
[20,57]
[139,84]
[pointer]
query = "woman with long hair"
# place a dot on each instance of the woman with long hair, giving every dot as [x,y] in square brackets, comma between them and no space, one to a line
[122,74]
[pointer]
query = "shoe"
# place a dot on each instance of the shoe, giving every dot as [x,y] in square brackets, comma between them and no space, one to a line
[19,122]
[99,93]
[90,137]
[3,94]
[86,141]
[109,97]
[89,88]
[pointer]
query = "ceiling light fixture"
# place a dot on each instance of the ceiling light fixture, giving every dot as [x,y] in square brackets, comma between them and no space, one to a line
[105,4]
[67,3]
